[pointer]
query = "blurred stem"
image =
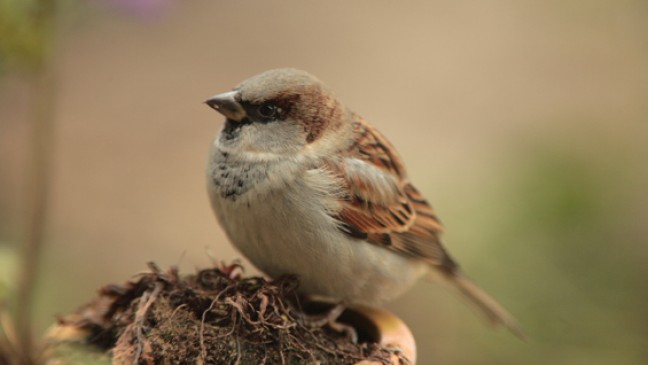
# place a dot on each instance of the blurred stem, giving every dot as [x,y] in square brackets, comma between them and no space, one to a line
[38,179]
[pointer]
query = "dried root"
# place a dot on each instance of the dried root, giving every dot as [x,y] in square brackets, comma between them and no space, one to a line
[214,317]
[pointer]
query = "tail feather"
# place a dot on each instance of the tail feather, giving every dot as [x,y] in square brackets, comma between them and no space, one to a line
[494,312]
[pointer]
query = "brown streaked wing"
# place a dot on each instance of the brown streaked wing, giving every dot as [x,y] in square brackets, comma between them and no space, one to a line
[404,222]
[373,147]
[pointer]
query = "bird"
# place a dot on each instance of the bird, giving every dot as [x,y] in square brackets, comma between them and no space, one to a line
[303,185]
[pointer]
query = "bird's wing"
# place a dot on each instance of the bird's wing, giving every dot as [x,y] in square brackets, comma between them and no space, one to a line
[380,205]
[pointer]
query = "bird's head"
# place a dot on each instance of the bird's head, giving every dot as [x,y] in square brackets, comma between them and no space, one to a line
[279,111]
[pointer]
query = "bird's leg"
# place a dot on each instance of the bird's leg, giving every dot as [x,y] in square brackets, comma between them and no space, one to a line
[342,327]
[330,319]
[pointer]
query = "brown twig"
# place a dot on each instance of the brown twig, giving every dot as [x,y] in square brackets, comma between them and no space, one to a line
[140,317]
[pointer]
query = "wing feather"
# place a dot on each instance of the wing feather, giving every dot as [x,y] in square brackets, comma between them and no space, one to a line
[382,206]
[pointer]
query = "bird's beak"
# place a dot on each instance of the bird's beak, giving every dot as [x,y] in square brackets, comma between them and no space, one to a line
[227,105]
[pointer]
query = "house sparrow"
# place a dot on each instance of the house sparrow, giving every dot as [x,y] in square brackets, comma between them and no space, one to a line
[302,185]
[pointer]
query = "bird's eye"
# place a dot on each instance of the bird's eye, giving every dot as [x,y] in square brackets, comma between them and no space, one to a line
[267,110]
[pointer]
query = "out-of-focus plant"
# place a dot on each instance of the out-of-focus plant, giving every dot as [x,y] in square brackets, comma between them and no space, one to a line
[7,267]
[27,35]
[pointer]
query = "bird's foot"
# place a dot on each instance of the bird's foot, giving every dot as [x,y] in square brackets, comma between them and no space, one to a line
[330,319]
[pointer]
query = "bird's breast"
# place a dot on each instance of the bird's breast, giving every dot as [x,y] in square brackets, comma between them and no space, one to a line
[280,220]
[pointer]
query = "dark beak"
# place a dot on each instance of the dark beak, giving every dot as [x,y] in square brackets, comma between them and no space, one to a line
[227,105]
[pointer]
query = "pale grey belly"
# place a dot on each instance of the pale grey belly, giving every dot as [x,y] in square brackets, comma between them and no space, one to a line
[288,232]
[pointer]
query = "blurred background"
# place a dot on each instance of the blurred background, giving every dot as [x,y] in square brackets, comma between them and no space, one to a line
[524,123]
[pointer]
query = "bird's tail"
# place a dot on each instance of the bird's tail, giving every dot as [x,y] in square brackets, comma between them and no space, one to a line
[494,312]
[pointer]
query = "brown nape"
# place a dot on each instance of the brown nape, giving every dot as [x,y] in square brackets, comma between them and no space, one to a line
[317,111]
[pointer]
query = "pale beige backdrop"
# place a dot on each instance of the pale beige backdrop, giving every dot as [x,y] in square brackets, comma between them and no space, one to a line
[523,122]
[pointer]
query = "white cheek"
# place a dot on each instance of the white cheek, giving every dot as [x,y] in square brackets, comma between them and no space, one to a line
[274,137]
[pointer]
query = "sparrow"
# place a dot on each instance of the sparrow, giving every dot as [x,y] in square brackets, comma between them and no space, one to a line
[303,185]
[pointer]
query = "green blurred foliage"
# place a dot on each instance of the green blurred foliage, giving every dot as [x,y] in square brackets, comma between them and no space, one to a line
[22,35]
[8,262]
[583,289]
